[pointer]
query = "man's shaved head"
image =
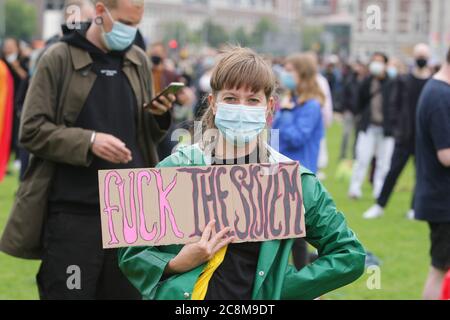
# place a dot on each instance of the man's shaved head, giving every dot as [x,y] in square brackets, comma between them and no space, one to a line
[422,50]
[112,4]
[108,3]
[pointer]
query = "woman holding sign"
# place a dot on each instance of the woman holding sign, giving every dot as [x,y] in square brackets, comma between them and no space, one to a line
[215,268]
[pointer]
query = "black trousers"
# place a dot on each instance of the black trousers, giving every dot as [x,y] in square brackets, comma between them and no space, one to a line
[400,158]
[74,264]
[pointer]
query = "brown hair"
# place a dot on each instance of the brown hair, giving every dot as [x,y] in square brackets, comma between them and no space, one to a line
[306,67]
[448,56]
[240,68]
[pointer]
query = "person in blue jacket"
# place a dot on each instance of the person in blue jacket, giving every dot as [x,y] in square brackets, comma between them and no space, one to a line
[300,124]
[299,121]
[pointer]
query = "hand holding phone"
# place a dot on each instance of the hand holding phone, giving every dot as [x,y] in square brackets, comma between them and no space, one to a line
[164,100]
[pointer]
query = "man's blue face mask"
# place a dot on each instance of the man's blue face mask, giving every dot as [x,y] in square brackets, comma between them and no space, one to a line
[240,124]
[120,37]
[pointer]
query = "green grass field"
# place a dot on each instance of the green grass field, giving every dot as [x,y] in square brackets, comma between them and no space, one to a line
[401,245]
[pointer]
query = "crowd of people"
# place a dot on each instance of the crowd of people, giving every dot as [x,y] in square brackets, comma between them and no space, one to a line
[76,101]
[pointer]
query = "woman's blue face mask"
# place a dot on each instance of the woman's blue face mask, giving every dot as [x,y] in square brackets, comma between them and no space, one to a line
[120,37]
[288,80]
[240,124]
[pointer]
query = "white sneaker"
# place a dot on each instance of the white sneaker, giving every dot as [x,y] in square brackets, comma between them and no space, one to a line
[321,176]
[410,215]
[354,195]
[16,165]
[374,212]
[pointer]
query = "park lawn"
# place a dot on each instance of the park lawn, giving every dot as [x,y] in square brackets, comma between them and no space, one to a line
[401,245]
[17,276]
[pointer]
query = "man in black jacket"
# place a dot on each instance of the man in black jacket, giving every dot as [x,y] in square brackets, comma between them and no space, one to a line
[375,137]
[407,94]
[89,107]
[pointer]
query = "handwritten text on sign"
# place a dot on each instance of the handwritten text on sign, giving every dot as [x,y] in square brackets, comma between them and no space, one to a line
[161,206]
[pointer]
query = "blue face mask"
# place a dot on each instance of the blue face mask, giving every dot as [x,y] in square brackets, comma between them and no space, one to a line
[288,81]
[240,124]
[120,37]
[392,72]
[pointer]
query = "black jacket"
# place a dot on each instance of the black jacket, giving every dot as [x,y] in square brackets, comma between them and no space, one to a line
[350,94]
[388,89]
[407,94]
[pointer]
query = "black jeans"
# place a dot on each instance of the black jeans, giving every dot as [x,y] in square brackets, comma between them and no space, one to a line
[400,158]
[73,242]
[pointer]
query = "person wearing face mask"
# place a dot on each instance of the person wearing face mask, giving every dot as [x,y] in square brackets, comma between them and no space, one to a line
[325,85]
[299,121]
[17,64]
[375,138]
[349,99]
[162,77]
[394,69]
[300,124]
[18,67]
[86,14]
[215,268]
[89,107]
[406,97]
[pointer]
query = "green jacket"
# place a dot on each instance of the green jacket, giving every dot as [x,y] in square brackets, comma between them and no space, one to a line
[341,255]
[57,93]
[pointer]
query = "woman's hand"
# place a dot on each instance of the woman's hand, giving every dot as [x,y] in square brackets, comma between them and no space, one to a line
[194,254]
[286,103]
[19,70]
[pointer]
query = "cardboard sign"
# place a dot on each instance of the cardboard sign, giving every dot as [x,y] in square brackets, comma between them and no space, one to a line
[162,206]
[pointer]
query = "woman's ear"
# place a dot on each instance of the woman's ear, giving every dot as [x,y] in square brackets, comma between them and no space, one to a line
[270,106]
[212,103]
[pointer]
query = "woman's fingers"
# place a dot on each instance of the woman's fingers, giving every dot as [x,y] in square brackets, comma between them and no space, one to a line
[219,236]
[207,232]
[222,243]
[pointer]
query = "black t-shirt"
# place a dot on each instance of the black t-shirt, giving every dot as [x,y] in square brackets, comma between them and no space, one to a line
[432,201]
[111,108]
[415,87]
[234,278]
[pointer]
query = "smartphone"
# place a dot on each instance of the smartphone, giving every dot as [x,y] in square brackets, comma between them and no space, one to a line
[172,88]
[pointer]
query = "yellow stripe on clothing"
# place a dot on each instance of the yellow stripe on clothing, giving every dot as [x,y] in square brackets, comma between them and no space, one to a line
[201,286]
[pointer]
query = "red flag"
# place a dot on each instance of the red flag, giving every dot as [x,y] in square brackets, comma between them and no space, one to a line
[446,288]
[6,116]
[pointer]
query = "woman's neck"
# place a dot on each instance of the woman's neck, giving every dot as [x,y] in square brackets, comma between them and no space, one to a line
[225,150]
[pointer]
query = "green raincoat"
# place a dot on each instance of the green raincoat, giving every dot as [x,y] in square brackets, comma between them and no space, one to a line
[341,255]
